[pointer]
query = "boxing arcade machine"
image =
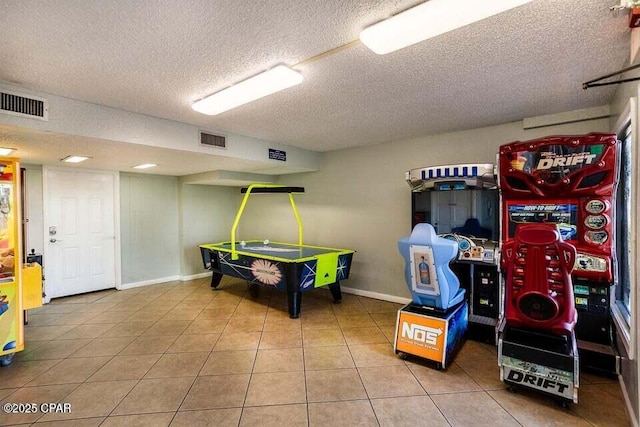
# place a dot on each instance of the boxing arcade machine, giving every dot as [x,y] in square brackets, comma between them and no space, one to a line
[433,325]
[557,201]
[461,201]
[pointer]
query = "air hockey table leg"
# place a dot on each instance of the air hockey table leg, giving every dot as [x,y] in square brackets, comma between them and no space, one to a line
[294,300]
[335,292]
[215,279]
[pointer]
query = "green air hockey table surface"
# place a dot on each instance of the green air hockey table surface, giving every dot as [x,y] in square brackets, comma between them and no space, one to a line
[287,267]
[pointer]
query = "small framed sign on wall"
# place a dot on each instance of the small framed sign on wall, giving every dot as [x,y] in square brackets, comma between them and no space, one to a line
[277,155]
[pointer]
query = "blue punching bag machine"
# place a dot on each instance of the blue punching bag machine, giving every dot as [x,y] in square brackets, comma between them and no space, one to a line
[461,202]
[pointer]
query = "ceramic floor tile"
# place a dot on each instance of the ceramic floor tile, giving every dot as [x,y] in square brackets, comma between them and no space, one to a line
[342,414]
[363,320]
[167,327]
[390,381]
[41,394]
[108,317]
[473,409]
[378,306]
[276,388]
[217,391]
[155,395]
[241,323]
[322,337]
[58,349]
[333,385]
[369,355]
[82,422]
[229,362]
[127,329]
[279,360]
[485,372]
[281,339]
[275,416]
[93,400]
[70,371]
[316,323]
[337,357]
[162,419]
[532,409]
[238,341]
[182,314]
[408,411]
[385,319]
[103,347]
[206,326]
[178,365]
[191,343]
[125,368]
[212,417]
[600,408]
[451,380]
[359,336]
[18,374]
[149,344]
[86,331]
[45,333]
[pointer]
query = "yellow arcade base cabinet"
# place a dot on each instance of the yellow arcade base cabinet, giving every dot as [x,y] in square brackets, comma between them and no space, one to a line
[11,310]
[432,334]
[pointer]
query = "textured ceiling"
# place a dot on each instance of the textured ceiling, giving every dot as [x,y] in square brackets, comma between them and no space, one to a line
[157,57]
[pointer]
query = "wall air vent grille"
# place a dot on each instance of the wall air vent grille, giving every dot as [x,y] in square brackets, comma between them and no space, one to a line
[23,106]
[213,140]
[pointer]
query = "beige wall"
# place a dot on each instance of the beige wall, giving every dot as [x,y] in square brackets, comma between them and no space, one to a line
[360,199]
[206,216]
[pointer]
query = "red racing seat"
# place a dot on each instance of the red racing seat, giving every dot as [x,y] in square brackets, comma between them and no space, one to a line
[539,292]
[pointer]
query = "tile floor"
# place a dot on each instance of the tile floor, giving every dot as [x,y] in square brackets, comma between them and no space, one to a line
[182,354]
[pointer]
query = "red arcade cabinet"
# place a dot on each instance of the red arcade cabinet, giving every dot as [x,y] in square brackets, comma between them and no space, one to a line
[557,201]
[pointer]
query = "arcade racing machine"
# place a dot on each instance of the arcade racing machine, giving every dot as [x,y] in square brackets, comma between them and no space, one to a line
[433,325]
[461,201]
[557,201]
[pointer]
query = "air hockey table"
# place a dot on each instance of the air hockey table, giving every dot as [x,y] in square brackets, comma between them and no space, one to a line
[291,268]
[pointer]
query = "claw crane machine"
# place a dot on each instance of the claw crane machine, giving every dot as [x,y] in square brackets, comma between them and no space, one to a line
[11,303]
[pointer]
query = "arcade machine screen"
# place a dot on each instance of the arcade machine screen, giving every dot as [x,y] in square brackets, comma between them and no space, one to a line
[564,215]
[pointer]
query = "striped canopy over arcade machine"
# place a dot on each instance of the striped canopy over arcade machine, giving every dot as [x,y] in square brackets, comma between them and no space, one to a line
[461,202]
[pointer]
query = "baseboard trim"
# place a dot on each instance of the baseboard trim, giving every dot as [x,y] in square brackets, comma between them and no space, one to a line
[149,282]
[627,401]
[375,295]
[195,276]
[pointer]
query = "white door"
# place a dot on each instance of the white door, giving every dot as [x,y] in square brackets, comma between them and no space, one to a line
[450,209]
[80,231]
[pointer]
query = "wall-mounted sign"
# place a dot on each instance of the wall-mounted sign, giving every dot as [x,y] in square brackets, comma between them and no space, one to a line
[277,155]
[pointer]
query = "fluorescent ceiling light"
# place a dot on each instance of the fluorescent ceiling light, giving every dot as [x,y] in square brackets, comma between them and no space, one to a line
[256,87]
[428,20]
[145,166]
[74,159]
[6,151]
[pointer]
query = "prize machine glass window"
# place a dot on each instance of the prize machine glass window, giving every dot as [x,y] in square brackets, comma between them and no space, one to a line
[623,213]
[564,215]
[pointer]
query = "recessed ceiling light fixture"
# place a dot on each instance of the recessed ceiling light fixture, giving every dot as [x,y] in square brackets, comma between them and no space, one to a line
[145,166]
[428,20]
[256,87]
[74,159]
[6,151]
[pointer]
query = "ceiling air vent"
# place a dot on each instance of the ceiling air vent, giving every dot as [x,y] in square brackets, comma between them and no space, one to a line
[213,140]
[23,106]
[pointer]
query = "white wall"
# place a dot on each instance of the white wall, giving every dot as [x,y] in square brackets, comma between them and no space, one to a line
[360,200]
[206,216]
[34,212]
[150,247]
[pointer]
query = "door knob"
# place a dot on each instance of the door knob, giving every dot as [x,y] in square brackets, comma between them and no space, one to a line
[54,240]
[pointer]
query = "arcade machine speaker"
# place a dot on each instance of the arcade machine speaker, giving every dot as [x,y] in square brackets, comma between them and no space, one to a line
[433,325]
[539,292]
